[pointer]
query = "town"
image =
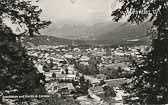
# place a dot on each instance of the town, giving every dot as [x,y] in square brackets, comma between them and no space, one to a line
[95,72]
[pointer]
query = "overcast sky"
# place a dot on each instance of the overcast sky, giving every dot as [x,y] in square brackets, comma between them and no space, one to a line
[86,12]
[83,11]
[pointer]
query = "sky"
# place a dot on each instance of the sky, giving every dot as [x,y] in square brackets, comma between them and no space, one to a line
[81,11]
[87,12]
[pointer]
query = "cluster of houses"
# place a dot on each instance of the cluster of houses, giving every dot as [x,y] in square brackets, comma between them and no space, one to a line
[57,63]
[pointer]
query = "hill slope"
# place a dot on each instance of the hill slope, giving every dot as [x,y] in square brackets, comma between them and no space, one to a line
[51,40]
[101,32]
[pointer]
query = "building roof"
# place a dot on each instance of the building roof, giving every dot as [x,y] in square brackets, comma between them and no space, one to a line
[66,85]
[101,76]
[97,89]
[84,58]
[116,82]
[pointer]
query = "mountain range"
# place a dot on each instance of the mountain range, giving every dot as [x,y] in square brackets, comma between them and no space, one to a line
[100,33]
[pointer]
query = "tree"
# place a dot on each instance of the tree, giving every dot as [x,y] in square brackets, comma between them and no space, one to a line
[111,73]
[45,67]
[84,85]
[54,75]
[109,91]
[51,64]
[22,12]
[102,82]
[16,67]
[149,81]
[93,66]
[17,71]
[66,71]
[82,79]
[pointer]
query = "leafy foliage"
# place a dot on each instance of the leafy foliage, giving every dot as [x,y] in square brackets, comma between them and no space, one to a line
[109,91]
[17,70]
[90,69]
[22,12]
[112,73]
[149,83]
[18,74]
[84,85]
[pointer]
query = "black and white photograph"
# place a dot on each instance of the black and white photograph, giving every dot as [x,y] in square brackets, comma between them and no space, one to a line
[83,52]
